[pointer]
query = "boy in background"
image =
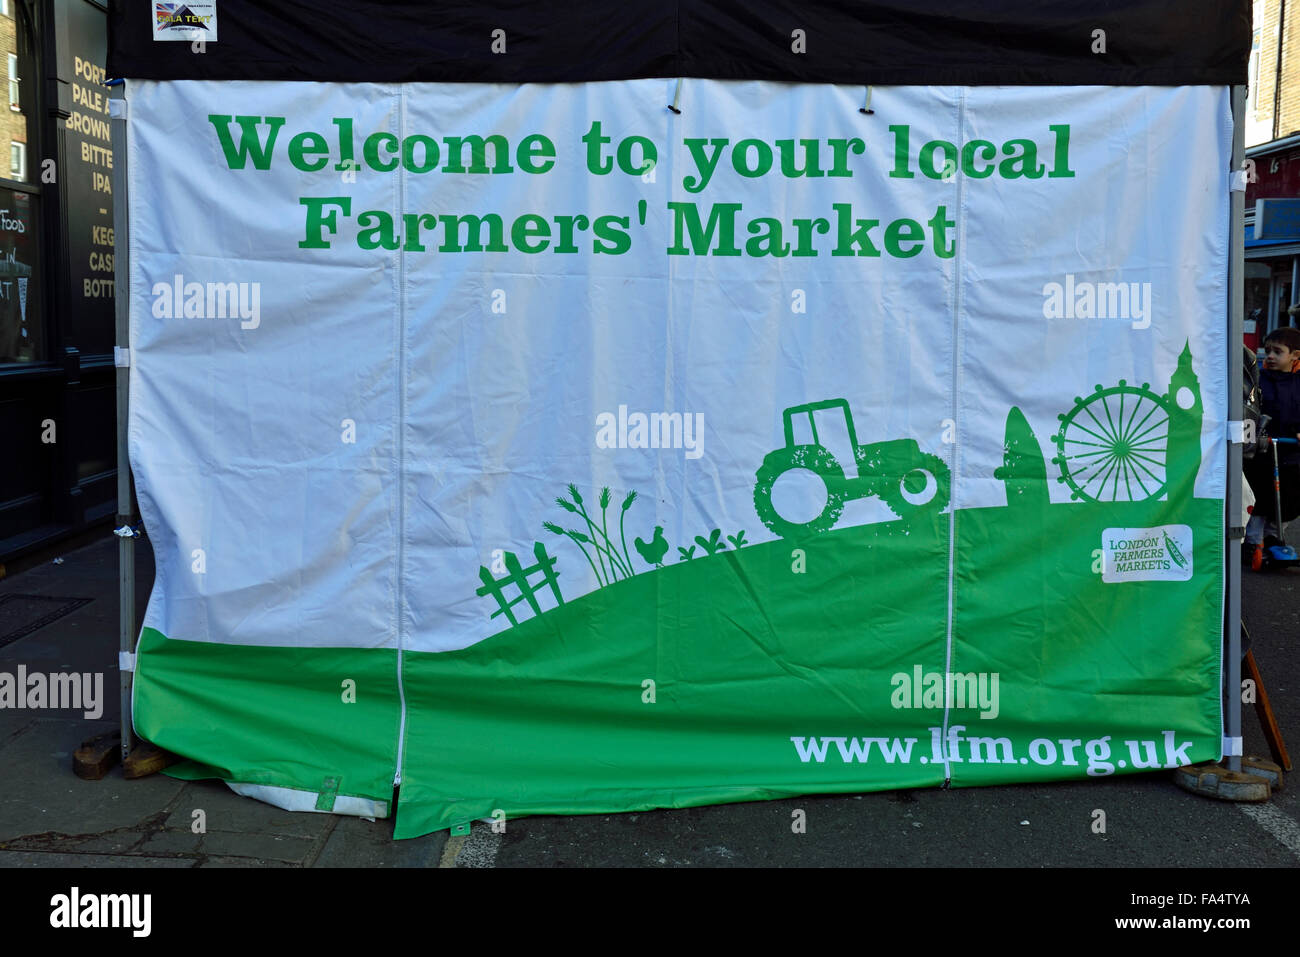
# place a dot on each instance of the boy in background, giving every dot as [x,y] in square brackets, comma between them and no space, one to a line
[1279,384]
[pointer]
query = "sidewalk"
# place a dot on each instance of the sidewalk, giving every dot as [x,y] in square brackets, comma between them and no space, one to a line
[51,818]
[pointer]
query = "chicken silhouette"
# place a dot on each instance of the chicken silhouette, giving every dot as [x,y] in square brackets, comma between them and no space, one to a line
[654,550]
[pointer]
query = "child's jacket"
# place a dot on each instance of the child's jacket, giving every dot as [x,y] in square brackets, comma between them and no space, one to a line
[1281,401]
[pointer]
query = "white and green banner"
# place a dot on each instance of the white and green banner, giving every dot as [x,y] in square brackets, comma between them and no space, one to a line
[546,450]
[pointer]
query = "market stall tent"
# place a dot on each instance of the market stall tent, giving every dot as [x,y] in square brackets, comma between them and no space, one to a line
[554,410]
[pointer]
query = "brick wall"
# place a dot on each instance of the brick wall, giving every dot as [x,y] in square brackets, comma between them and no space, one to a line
[1270,33]
[13,125]
[1289,112]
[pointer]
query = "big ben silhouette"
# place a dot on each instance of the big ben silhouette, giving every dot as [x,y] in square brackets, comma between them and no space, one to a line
[1183,401]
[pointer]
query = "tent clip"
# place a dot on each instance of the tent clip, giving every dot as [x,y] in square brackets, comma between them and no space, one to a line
[126,661]
[865,108]
[1238,184]
[677,97]
[117,109]
[121,357]
[329,792]
[1231,747]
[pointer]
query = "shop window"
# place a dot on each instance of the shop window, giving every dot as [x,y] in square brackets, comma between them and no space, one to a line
[22,315]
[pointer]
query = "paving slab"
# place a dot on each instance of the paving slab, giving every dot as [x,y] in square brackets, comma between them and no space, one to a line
[358,843]
[241,862]
[1149,822]
[224,810]
[36,859]
[258,846]
[13,723]
[39,794]
[120,841]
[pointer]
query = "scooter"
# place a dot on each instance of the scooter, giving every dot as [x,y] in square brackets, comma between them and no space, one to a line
[1280,555]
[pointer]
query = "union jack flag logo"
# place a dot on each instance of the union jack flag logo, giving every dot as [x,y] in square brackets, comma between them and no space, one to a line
[172,16]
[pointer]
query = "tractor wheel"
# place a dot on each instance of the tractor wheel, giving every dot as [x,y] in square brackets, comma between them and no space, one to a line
[924,486]
[813,458]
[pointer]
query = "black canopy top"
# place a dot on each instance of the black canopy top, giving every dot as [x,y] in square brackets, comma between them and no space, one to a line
[887,42]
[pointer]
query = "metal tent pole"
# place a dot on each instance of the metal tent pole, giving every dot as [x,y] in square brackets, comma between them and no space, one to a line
[1236,303]
[122,360]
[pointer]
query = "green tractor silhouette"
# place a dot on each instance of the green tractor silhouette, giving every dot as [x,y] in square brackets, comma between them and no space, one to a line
[897,471]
